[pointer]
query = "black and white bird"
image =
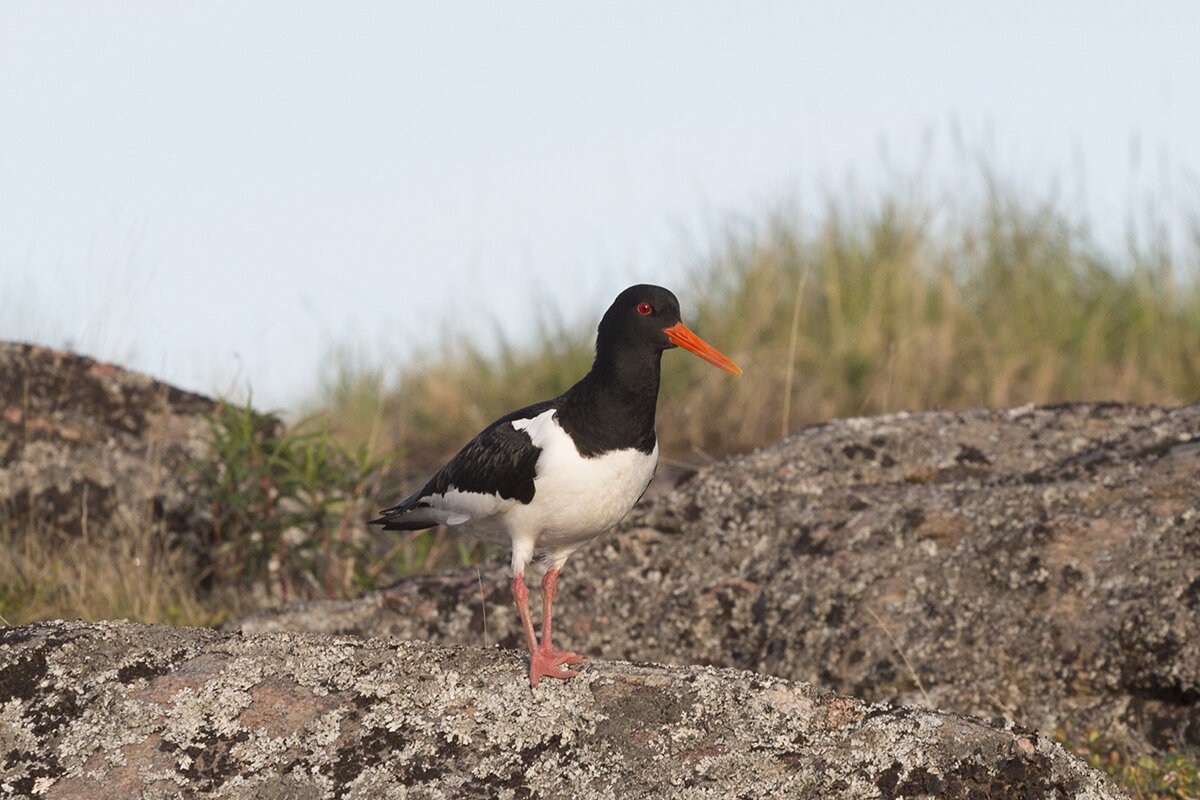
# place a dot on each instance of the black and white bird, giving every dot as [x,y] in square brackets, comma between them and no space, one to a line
[550,477]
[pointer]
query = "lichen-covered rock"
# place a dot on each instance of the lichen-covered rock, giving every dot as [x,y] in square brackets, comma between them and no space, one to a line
[1038,563]
[119,710]
[90,449]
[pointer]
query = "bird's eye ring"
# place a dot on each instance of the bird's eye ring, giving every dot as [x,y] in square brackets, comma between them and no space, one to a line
[645,308]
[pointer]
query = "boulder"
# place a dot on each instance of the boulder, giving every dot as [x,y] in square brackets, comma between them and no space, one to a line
[1038,564]
[91,449]
[116,710]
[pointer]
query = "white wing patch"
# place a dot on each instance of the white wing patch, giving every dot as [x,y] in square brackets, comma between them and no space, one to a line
[537,424]
[456,507]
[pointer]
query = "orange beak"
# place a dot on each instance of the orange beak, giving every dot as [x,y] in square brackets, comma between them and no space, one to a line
[680,336]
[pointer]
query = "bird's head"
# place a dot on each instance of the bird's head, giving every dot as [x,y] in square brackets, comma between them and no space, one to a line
[648,316]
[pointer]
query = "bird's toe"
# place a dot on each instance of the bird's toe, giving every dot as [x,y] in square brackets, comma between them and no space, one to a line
[546,665]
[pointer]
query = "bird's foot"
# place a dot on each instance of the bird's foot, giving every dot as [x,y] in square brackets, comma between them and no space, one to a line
[563,656]
[544,662]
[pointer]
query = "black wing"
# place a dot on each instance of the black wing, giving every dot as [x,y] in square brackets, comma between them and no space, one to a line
[495,467]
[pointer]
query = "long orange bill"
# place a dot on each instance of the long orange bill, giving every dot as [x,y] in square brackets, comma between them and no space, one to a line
[680,336]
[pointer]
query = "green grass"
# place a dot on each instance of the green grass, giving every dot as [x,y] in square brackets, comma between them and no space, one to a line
[1174,775]
[287,511]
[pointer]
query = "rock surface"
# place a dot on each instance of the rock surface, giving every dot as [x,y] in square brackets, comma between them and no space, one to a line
[1040,564]
[118,710]
[90,449]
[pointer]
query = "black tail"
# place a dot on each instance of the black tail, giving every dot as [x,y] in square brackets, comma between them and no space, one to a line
[400,517]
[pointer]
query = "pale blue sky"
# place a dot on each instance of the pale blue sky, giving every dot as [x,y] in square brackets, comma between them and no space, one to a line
[219,192]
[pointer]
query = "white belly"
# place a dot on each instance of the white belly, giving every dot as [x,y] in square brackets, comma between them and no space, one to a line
[575,498]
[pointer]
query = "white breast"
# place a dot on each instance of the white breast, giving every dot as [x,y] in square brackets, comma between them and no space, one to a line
[575,498]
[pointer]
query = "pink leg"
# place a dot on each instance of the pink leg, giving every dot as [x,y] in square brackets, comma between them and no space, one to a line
[541,661]
[549,590]
[521,595]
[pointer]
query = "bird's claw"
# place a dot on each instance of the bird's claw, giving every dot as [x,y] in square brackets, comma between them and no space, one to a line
[544,662]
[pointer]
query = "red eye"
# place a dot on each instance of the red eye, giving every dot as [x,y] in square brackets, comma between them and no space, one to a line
[645,308]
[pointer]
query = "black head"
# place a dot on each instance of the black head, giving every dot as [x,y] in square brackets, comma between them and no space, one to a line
[639,318]
[613,406]
[645,319]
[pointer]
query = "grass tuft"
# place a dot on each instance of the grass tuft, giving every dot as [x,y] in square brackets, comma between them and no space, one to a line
[1174,775]
[288,510]
[127,573]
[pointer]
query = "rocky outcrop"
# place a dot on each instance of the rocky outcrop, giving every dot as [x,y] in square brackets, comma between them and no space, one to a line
[118,710]
[90,449]
[1040,564]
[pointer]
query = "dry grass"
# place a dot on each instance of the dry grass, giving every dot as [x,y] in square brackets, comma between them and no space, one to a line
[869,308]
[118,574]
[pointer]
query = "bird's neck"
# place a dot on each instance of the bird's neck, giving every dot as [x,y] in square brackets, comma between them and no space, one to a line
[613,406]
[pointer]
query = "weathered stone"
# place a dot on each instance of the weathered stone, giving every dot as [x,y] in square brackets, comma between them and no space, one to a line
[90,449]
[1036,564]
[1040,564]
[119,710]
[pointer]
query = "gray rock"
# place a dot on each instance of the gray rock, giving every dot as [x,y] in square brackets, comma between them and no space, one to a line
[118,710]
[90,449]
[1040,564]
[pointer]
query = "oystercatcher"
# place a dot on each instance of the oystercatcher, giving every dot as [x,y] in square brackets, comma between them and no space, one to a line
[552,476]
